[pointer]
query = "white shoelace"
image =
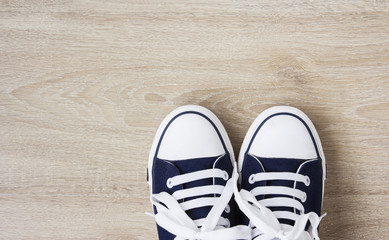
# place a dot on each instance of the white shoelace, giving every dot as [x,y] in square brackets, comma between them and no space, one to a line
[171,214]
[267,226]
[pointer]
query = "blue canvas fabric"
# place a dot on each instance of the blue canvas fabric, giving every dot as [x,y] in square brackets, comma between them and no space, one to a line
[314,170]
[165,169]
[250,166]
[311,168]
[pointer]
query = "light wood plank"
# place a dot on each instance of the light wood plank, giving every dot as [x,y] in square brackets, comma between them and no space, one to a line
[85,84]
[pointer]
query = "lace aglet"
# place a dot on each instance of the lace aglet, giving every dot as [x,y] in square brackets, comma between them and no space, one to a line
[150,214]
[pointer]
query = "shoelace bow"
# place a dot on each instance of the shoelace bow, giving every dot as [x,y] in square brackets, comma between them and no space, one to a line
[267,225]
[171,215]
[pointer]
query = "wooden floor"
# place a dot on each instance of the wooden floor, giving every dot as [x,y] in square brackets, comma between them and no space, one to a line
[85,84]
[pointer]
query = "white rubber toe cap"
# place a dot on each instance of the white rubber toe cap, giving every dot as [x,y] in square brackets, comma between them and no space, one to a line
[188,136]
[283,136]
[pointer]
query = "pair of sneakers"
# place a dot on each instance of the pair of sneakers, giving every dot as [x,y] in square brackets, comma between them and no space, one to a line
[275,191]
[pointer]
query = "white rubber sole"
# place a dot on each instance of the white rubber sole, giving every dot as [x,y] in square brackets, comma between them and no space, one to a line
[174,113]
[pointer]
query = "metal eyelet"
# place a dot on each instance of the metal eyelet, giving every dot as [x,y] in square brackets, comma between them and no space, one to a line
[225,176]
[227,209]
[169,183]
[304,198]
[307,181]
[251,179]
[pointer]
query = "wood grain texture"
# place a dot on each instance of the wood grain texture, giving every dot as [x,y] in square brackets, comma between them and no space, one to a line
[85,84]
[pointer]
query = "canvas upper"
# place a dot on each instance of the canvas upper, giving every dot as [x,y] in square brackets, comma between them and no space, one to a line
[282,169]
[190,164]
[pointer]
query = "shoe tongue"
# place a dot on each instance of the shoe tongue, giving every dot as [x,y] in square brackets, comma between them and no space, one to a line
[193,165]
[280,165]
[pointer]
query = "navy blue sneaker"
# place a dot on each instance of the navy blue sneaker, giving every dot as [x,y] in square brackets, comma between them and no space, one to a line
[282,172]
[189,172]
